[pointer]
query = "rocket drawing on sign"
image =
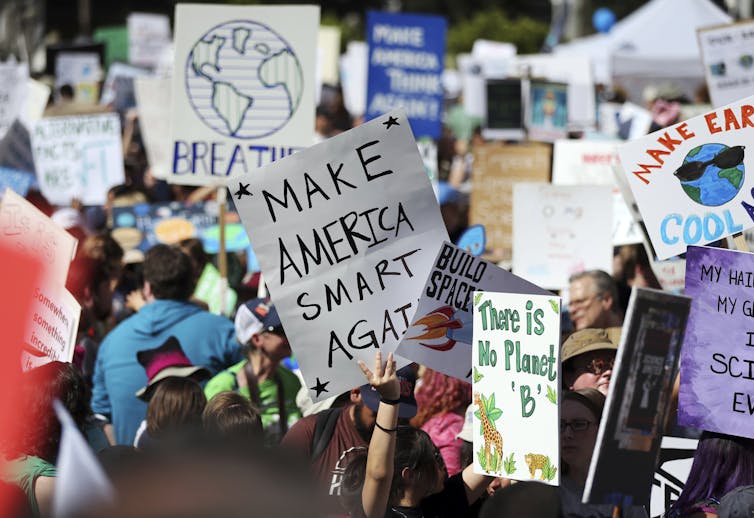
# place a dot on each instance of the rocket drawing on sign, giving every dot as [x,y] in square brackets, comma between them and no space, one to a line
[440,329]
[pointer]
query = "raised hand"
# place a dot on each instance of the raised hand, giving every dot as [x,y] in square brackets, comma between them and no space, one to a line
[384,380]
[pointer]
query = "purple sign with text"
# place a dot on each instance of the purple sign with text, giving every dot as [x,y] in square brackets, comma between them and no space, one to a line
[717,360]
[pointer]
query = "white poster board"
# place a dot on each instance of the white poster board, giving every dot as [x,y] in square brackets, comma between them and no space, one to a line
[243,88]
[689,180]
[78,157]
[516,386]
[346,233]
[561,230]
[353,77]
[33,233]
[148,36]
[591,162]
[52,326]
[441,330]
[14,78]
[728,61]
[80,70]
[153,102]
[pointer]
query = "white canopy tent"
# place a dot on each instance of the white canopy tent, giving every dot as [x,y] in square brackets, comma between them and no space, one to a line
[656,42]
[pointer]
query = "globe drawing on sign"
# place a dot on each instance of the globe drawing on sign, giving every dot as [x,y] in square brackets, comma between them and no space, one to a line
[712,174]
[243,80]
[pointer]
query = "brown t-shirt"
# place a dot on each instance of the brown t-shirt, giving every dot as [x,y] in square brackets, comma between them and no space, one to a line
[330,466]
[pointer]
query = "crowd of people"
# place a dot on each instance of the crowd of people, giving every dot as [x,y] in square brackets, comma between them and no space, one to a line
[193,413]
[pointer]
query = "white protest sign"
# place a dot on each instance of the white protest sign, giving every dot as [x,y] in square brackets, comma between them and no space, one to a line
[728,61]
[516,386]
[585,162]
[38,94]
[116,70]
[14,79]
[148,35]
[328,43]
[561,230]
[33,233]
[243,88]
[78,157]
[353,77]
[82,71]
[689,180]
[52,325]
[441,330]
[346,233]
[153,102]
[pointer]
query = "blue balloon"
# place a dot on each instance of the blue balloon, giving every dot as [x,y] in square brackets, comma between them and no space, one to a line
[603,19]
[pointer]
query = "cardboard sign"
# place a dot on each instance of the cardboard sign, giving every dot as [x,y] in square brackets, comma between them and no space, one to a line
[14,78]
[634,417]
[148,36]
[78,157]
[496,168]
[516,379]
[689,180]
[406,60]
[715,371]
[153,101]
[728,61]
[52,326]
[243,88]
[346,233]
[547,114]
[504,110]
[33,233]
[584,162]
[144,225]
[441,330]
[561,230]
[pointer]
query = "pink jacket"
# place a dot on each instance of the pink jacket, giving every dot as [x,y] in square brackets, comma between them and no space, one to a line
[442,429]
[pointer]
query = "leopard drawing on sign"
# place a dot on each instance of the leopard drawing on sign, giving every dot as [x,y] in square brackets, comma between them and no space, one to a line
[537,461]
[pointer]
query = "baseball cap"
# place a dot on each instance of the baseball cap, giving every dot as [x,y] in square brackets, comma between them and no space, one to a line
[737,503]
[407,408]
[580,342]
[256,316]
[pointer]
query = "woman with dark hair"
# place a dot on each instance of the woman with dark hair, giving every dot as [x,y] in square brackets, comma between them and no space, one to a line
[31,459]
[442,402]
[175,409]
[721,463]
[403,474]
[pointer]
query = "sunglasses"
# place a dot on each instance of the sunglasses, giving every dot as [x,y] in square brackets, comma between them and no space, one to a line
[725,159]
[598,365]
[577,425]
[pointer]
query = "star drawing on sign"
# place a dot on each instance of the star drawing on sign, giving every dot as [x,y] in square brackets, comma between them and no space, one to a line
[320,387]
[390,122]
[243,189]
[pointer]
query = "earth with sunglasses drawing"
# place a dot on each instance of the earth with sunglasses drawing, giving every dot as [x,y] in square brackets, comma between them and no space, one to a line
[712,174]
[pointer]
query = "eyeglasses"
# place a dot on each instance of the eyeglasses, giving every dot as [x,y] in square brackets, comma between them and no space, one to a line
[724,159]
[583,302]
[597,366]
[577,425]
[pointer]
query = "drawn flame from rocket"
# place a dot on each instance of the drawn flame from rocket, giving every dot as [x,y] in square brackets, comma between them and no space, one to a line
[438,324]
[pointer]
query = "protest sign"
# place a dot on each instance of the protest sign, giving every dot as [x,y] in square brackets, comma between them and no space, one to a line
[496,168]
[33,233]
[212,289]
[728,62]
[153,102]
[81,71]
[504,119]
[346,233]
[243,88]
[14,78]
[547,113]
[671,274]
[148,35]
[689,180]
[51,328]
[560,230]
[78,157]
[716,366]
[118,89]
[353,77]
[441,330]
[633,420]
[584,162]
[516,385]
[673,466]
[406,60]
[328,45]
[38,94]
[144,225]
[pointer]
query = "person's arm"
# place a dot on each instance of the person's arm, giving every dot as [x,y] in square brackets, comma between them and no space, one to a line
[43,489]
[381,455]
[475,485]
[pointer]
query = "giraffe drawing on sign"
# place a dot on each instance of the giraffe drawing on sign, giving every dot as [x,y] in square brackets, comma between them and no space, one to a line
[491,435]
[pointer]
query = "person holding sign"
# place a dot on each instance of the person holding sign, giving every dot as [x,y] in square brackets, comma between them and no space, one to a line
[403,471]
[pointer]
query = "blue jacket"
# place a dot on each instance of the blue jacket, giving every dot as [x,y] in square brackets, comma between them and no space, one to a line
[207,339]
